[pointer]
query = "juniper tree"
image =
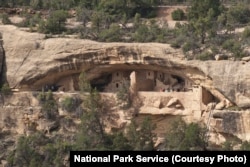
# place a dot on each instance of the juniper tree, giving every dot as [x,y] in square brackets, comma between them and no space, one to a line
[202,16]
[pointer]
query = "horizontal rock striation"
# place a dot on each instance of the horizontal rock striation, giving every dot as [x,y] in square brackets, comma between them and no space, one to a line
[33,60]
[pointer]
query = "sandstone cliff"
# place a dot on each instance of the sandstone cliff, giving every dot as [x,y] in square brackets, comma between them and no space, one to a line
[2,58]
[33,61]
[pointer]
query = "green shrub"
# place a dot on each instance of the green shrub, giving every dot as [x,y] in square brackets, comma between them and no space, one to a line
[84,84]
[112,34]
[67,122]
[70,104]
[178,14]
[175,44]
[36,4]
[183,136]
[233,46]
[246,33]
[157,33]
[215,50]
[186,47]
[239,14]
[245,146]
[146,33]
[49,105]
[141,34]
[228,44]
[24,23]
[5,19]
[234,108]
[227,145]
[55,24]
[205,56]
[178,41]
[42,26]
[5,89]
[38,150]
[189,45]
[140,136]
[123,95]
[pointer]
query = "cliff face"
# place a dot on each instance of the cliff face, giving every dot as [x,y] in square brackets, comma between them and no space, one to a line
[33,61]
[2,60]
[231,78]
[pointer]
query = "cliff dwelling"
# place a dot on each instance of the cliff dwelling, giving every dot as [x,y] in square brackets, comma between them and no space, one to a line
[146,82]
[150,72]
[140,80]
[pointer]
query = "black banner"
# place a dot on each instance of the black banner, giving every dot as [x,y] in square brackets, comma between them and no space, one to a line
[159,158]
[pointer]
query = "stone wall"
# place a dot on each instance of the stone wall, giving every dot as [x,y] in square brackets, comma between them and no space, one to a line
[35,60]
[189,101]
[233,123]
[118,79]
[206,98]
[66,84]
[145,80]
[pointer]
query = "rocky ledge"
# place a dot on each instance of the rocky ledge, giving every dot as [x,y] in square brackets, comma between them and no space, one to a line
[32,61]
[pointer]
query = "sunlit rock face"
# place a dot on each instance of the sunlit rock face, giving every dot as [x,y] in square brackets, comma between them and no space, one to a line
[2,60]
[34,61]
[166,83]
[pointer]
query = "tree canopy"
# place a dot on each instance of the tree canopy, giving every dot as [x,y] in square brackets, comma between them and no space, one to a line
[202,16]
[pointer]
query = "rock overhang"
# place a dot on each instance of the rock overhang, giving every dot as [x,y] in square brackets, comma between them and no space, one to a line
[32,61]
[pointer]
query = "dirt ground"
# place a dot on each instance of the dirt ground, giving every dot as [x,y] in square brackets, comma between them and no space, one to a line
[16,19]
[165,12]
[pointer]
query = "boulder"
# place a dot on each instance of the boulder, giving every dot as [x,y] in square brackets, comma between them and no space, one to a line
[246,58]
[178,106]
[157,104]
[173,101]
[242,101]
[210,106]
[220,57]
[220,105]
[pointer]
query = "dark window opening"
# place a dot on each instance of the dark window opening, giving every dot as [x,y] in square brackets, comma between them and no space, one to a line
[179,79]
[149,74]
[117,85]
[117,74]
[101,82]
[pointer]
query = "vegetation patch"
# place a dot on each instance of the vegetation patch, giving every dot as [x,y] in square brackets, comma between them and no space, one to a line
[49,105]
[178,15]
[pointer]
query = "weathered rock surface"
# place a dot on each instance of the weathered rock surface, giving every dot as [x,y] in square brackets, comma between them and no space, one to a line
[231,122]
[33,61]
[172,101]
[220,105]
[231,78]
[220,57]
[246,58]
[2,58]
